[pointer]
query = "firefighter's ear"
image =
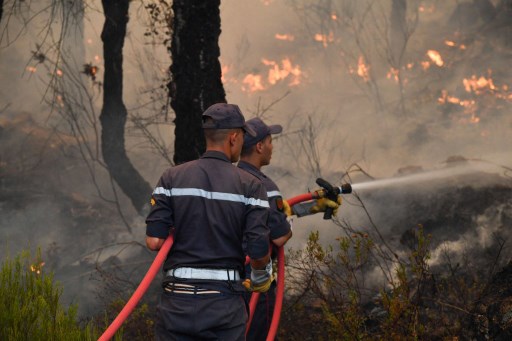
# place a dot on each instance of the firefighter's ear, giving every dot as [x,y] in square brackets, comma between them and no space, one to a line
[259,147]
[232,137]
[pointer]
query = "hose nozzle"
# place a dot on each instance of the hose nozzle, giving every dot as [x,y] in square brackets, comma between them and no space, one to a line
[332,193]
[345,188]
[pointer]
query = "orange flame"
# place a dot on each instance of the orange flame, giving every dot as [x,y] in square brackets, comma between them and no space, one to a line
[454,44]
[483,92]
[287,37]
[447,99]
[477,85]
[469,106]
[37,267]
[325,39]
[224,72]
[254,83]
[363,69]
[435,57]
[32,69]
[276,73]
[393,73]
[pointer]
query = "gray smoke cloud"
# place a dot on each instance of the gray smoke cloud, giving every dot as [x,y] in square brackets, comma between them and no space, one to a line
[336,96]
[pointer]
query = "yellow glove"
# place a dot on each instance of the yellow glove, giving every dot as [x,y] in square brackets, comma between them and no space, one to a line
[263,287]
[260,279]
[286,208]
[247,284]
[323,203]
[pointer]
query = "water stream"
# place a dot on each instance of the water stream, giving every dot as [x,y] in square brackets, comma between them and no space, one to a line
[436,174]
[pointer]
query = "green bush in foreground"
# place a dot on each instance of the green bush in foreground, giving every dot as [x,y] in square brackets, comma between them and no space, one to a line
[30,308]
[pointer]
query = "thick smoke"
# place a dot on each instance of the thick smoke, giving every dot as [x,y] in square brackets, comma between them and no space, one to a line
[335,75]
[349,89]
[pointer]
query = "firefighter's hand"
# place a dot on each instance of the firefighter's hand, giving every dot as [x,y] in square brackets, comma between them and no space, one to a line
[286,208]
[247,284]
[260,279]
[322,204]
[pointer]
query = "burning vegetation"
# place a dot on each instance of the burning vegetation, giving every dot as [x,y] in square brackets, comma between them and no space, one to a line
[413,78]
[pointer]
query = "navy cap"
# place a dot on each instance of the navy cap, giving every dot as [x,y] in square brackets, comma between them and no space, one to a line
[225,116]
[262,130]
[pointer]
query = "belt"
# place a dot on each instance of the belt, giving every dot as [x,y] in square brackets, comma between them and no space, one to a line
[208,274]
[179,288]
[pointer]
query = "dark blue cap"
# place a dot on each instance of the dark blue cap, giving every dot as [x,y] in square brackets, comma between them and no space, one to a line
[225,116]
[262,130]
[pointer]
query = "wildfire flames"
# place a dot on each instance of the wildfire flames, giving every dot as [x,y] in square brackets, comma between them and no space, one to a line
[287,37]
[435,57]
[363,70]
[393,73]
[475,87]
[277,72]
[469,102]
[325,39]
[454,44]
[253,83]
[37,267]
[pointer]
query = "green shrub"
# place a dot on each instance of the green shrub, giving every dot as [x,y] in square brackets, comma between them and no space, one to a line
[30,308]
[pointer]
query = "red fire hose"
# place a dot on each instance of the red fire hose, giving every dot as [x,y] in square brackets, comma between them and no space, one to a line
[157,264]
[141,289]
[280,281]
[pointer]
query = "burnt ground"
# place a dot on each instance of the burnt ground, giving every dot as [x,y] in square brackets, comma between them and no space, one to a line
[474,210]
[46,201]
[470,220]
[465,292]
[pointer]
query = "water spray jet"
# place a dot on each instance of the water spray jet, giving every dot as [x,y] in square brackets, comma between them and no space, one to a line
[426,176]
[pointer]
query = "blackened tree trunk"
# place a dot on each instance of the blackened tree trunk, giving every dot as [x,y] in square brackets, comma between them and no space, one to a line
[196,72]
[113,114]
[398,32]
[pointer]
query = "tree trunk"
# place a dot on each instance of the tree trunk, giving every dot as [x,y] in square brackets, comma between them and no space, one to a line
[196,72]
[1,9]
[398,32]
[113,114]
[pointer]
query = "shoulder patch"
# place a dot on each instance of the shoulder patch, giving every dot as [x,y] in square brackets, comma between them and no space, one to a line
[279,204]
[152,201]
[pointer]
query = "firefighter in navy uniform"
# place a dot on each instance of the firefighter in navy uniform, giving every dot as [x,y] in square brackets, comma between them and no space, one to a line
[256,153]
[211,207]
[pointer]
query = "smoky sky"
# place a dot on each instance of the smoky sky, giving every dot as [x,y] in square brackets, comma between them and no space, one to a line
[333,74]
[444,107]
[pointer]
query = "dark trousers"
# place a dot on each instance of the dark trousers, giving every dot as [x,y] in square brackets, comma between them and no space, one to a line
[262,318]
[186,317]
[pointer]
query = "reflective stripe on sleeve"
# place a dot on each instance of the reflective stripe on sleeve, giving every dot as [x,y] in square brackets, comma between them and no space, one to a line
[274,194]
[197,192]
